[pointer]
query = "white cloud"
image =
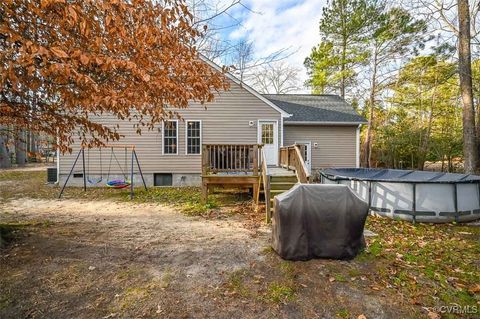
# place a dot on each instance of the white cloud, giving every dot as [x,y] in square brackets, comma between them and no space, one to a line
[278,24]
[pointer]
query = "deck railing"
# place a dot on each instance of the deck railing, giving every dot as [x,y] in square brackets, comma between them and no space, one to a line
[291,157]
[230,158]
[266,185]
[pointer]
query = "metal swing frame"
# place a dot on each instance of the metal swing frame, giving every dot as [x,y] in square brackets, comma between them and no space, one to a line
[98,180]
[111,146]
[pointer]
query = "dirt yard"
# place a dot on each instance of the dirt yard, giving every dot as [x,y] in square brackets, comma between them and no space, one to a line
[164,256]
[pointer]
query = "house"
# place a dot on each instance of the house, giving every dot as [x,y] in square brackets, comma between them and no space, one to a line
[172,154]
[328,126]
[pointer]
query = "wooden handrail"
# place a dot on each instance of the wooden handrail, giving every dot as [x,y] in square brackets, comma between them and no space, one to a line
[266,186]
[291,158]
[218,158]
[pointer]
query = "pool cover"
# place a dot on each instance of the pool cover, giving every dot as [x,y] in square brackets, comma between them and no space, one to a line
[397,175]
[318,221]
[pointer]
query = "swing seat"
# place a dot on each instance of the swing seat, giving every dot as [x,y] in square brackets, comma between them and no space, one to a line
[118,184]
[94,181]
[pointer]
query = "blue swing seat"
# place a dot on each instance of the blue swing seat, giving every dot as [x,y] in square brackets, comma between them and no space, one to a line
[94,181]
[117,184]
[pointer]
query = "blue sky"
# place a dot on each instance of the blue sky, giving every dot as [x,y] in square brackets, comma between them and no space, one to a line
[276,24]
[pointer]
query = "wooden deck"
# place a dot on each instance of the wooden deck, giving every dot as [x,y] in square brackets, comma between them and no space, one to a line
[230,166]
[244,166]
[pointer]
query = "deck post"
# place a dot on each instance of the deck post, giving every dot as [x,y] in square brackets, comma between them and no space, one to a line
[280,157]
[288,158]
[204,192]
[204,159]
[256,191]
[255,160]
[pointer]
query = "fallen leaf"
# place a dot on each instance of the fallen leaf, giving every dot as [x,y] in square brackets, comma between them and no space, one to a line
[59,52]
[475,289]
[84,59]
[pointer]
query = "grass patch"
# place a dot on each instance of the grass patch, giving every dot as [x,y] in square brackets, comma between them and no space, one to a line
[267,250]
[236,285]
[280,293]
[32,184]
[287,268]
[340,278]
[343,313]
[132,296]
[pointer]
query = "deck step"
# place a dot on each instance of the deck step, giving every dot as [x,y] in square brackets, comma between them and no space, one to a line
[283,179]
[281,185]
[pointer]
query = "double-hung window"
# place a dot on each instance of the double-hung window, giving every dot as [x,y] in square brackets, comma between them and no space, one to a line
[170,137]
[193,137]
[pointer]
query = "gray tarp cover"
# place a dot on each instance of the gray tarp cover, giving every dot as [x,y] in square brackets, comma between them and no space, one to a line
[318,221]
[397,175]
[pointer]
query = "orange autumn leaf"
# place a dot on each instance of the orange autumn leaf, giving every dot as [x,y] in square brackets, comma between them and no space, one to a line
[63,62]
[84,59]
[59,52]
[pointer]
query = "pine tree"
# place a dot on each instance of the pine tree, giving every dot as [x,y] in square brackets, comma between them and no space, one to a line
[345,27]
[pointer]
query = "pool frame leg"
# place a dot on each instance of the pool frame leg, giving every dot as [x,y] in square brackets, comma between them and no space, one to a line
[455,198]
[414,204]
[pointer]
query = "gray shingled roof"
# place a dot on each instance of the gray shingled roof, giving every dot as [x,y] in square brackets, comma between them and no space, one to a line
[315,108]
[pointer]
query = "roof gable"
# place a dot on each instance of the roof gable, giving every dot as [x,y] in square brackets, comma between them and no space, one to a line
[246,87]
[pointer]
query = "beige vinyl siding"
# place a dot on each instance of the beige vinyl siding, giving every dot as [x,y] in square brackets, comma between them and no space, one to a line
[336,144]
[226,120]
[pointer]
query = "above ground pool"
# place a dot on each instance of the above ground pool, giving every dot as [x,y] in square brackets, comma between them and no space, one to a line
[416,196]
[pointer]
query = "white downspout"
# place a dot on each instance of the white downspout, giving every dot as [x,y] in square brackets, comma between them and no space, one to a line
[357,146]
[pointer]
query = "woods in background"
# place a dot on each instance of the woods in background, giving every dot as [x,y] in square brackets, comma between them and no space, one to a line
[407,68]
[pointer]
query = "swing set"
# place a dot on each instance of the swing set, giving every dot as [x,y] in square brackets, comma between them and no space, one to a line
[111,183]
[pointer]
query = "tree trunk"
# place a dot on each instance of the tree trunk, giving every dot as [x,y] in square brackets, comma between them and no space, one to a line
[4,153]
[371,103]
[342,67]
[32,149]
[470,151]
[425,144]
[20,148]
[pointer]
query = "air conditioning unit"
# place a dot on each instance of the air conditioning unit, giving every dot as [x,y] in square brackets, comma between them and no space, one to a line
[51,175]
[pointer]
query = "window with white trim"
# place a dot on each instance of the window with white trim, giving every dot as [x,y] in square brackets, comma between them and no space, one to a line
[194,137]
[170,137]
[267,133]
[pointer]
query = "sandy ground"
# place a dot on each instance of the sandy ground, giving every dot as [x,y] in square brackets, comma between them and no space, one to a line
[120,260]
[153,234]
[31,167]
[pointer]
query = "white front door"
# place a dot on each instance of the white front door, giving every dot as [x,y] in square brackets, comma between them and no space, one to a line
[267,135]
[307,156]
